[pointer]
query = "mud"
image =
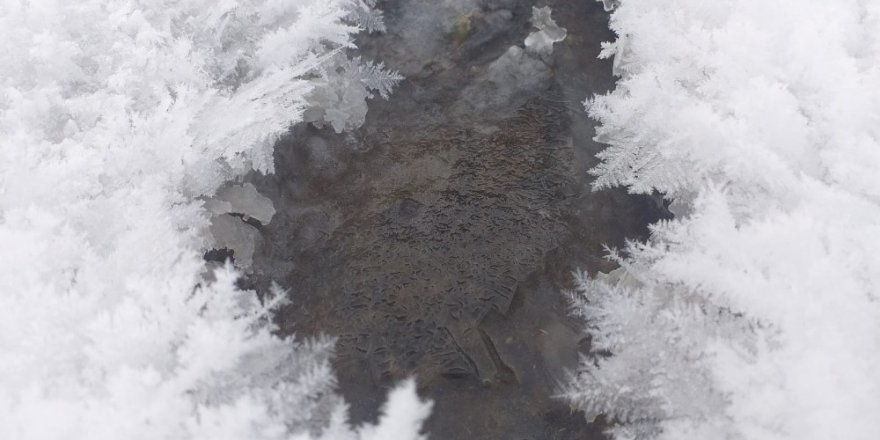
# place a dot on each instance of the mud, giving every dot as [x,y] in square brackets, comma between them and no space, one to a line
[435,240]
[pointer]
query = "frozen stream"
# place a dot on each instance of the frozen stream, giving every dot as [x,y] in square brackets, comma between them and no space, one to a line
[436,239]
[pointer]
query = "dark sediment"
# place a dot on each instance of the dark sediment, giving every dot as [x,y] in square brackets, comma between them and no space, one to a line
[435,240]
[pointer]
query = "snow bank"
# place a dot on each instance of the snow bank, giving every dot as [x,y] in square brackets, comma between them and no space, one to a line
[115,118]
[756,312]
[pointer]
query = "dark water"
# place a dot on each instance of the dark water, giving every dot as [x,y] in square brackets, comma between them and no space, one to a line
[435,240]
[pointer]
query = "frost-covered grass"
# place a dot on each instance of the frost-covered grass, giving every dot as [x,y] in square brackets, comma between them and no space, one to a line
[755,314]
[115,118]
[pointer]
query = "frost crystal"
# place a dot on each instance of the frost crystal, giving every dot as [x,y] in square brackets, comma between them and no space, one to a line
[364,14]
[340,98]
[755,315]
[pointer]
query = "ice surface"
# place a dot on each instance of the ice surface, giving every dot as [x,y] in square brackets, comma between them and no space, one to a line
[232,233]
[541,41]
[340,102]
[510,81]
[241,199]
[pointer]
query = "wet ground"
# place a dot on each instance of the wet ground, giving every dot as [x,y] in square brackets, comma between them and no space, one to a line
[435,240]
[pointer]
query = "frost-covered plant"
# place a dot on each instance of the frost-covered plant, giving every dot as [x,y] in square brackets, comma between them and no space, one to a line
[756,314]
[115,118]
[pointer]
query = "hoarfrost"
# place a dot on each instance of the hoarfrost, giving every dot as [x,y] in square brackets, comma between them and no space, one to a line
[340,97]
[364,14]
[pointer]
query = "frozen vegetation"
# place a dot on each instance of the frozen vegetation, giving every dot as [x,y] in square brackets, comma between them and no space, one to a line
[754,314]
[117,120]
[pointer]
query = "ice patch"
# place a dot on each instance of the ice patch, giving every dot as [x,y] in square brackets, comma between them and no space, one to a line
[541,41]
[232,233]
[609,5]
[242,199]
